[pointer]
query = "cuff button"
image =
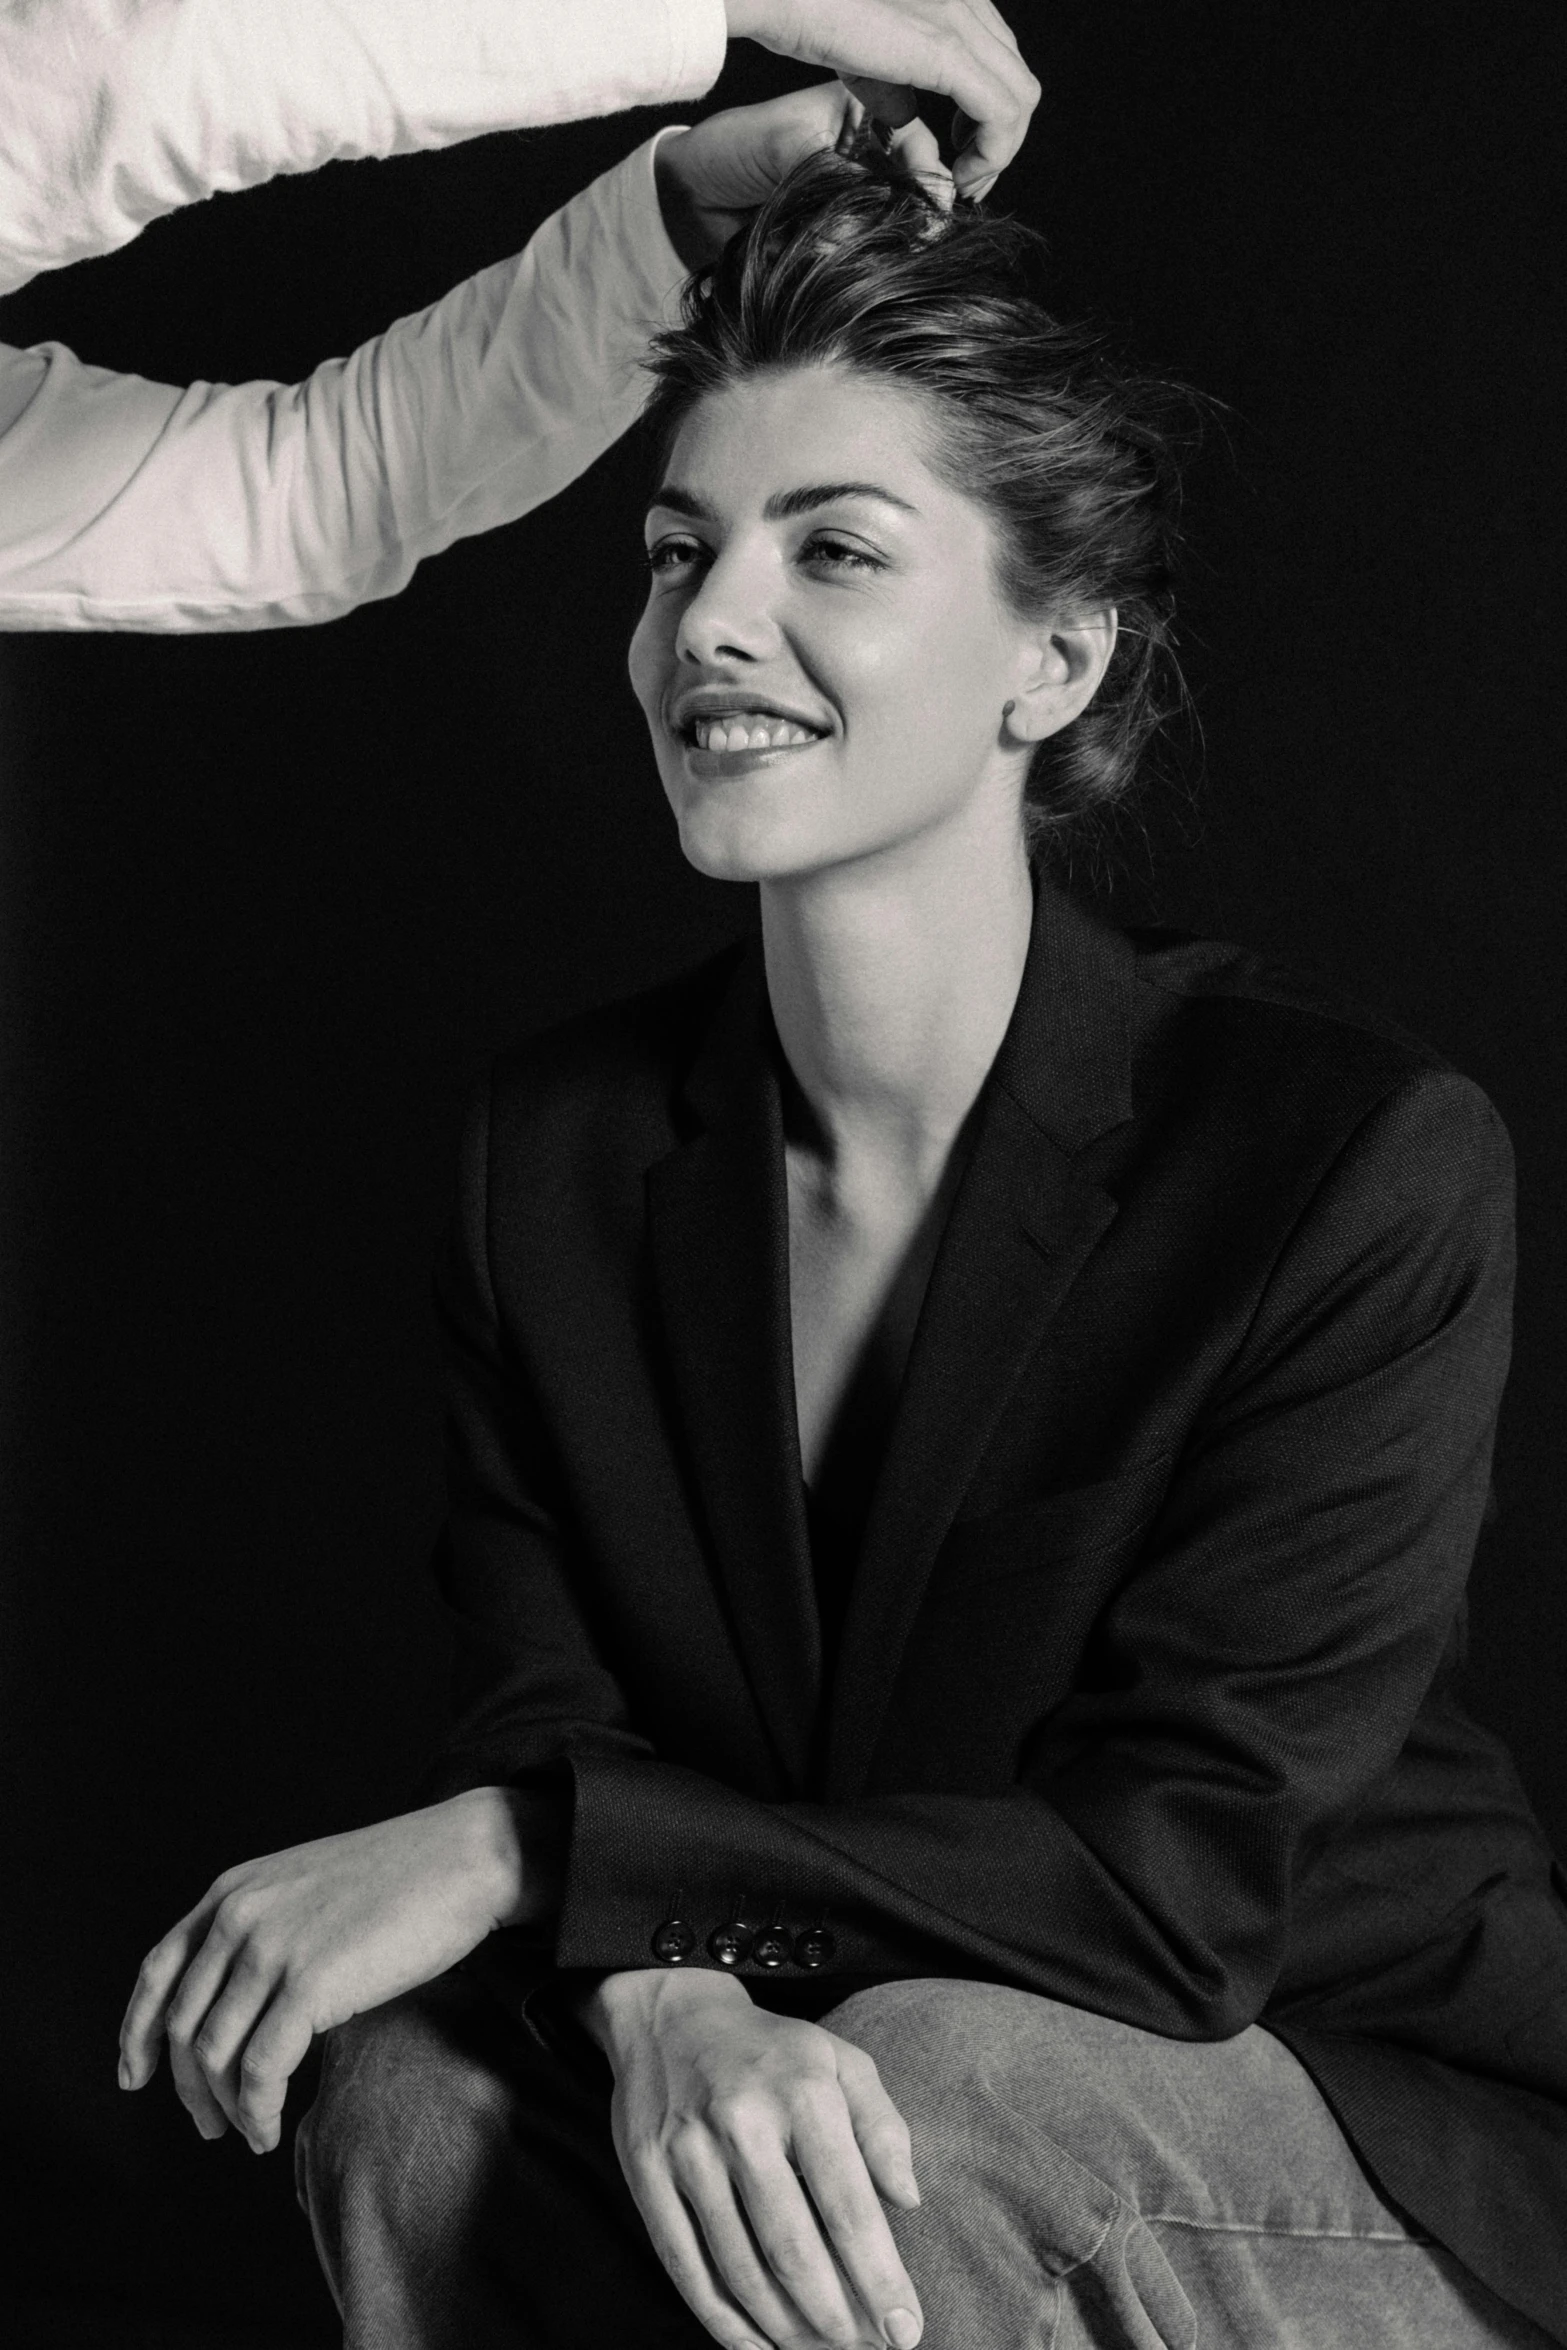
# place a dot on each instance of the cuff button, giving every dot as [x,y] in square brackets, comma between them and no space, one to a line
[674,1942]
[771,1948]
[814,1947]
[729,1945]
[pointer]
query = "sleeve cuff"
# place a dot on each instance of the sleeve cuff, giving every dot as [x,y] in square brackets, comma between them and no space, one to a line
[632,223]
[664,1865]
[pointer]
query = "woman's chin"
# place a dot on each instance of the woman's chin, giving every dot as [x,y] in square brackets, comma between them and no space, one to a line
[749,836]
[737,852]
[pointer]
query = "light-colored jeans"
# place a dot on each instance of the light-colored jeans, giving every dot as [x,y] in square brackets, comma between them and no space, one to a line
[1086,2186]
[1085,2183]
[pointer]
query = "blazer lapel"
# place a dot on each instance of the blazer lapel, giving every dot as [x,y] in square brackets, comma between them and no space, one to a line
[719,1237]
[1024,1221]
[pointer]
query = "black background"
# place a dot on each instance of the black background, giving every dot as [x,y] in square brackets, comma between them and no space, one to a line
[268,902]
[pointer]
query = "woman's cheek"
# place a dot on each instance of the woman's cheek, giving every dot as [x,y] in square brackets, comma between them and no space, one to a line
[648,657]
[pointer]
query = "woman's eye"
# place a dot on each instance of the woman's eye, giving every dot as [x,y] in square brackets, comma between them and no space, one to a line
[839,554]
[673,554]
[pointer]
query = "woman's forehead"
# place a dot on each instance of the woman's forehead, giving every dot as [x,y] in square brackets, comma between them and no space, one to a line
[767,439]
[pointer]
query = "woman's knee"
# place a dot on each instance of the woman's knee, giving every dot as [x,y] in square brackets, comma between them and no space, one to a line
[411,2101]
[1222,2132]
[937,2037]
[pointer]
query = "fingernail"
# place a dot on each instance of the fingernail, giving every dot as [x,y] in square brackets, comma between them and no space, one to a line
[123,2076]
[903,2329]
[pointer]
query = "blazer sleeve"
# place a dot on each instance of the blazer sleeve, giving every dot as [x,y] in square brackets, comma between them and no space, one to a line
[133,505]
[1264,1658]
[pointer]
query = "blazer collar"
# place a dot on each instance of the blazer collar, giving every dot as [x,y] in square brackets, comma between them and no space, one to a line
[1066,1058]
[1023,1220]
[718,1227]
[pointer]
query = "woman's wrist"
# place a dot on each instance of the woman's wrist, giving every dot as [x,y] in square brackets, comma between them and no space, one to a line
[516,1846]
[632,2001]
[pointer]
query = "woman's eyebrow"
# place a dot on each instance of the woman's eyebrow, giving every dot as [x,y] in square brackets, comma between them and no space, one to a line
[783,504]
[671,500]
[802,501]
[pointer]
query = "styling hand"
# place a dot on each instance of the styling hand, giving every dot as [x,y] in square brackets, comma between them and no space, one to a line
[712,176]
[282,1948]
[961,49]
[755,2146]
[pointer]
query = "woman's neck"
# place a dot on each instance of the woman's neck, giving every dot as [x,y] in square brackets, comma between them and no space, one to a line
[892,982]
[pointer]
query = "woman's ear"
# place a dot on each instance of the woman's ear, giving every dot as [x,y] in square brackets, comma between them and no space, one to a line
[1061,671]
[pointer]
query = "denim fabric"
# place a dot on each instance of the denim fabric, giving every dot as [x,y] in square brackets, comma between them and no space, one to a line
[1086,2186]
[1089,2186]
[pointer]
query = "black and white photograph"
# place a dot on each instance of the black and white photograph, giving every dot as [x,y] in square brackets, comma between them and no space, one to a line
[783,1175]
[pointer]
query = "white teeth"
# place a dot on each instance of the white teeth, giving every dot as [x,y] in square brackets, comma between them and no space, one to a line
[753,731]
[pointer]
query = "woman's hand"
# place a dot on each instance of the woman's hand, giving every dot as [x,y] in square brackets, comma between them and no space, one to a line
[754,2146]
[282,1948]
[710,178]
[961,49]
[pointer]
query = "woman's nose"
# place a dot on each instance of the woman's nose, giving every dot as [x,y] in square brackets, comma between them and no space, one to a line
[730,615]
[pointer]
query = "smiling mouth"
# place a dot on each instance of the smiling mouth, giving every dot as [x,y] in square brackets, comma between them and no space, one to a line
[747,730]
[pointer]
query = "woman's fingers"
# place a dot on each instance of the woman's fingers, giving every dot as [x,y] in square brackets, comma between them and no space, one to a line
[142,2030]
[232,2045]
[273,2054]
[244,2050]
[675,2240]
[795,2249]
[173,1993]
[879,2128]
[704,2183]
[833,2167]
[185,2021]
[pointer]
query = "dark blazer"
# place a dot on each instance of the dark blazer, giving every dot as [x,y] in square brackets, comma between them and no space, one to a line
[1145,1695]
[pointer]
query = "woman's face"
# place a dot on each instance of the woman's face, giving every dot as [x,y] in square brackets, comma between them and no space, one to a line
[824,660]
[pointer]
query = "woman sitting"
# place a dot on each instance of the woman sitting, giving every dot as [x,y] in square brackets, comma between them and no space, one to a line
[969,1430]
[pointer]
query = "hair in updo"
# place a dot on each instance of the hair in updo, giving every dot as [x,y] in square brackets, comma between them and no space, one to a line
[850,264]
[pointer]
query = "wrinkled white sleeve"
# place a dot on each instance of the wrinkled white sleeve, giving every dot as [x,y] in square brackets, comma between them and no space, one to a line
[133,505]
[113,112]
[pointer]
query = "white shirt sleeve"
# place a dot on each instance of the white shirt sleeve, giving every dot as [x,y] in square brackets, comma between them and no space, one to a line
[113,112]
[134,505]
[127,504]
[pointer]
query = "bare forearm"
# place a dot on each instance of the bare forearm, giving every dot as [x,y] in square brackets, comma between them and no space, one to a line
[519,1852]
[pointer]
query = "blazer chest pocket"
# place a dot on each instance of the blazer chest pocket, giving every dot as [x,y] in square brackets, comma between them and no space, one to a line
[1079,1527]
